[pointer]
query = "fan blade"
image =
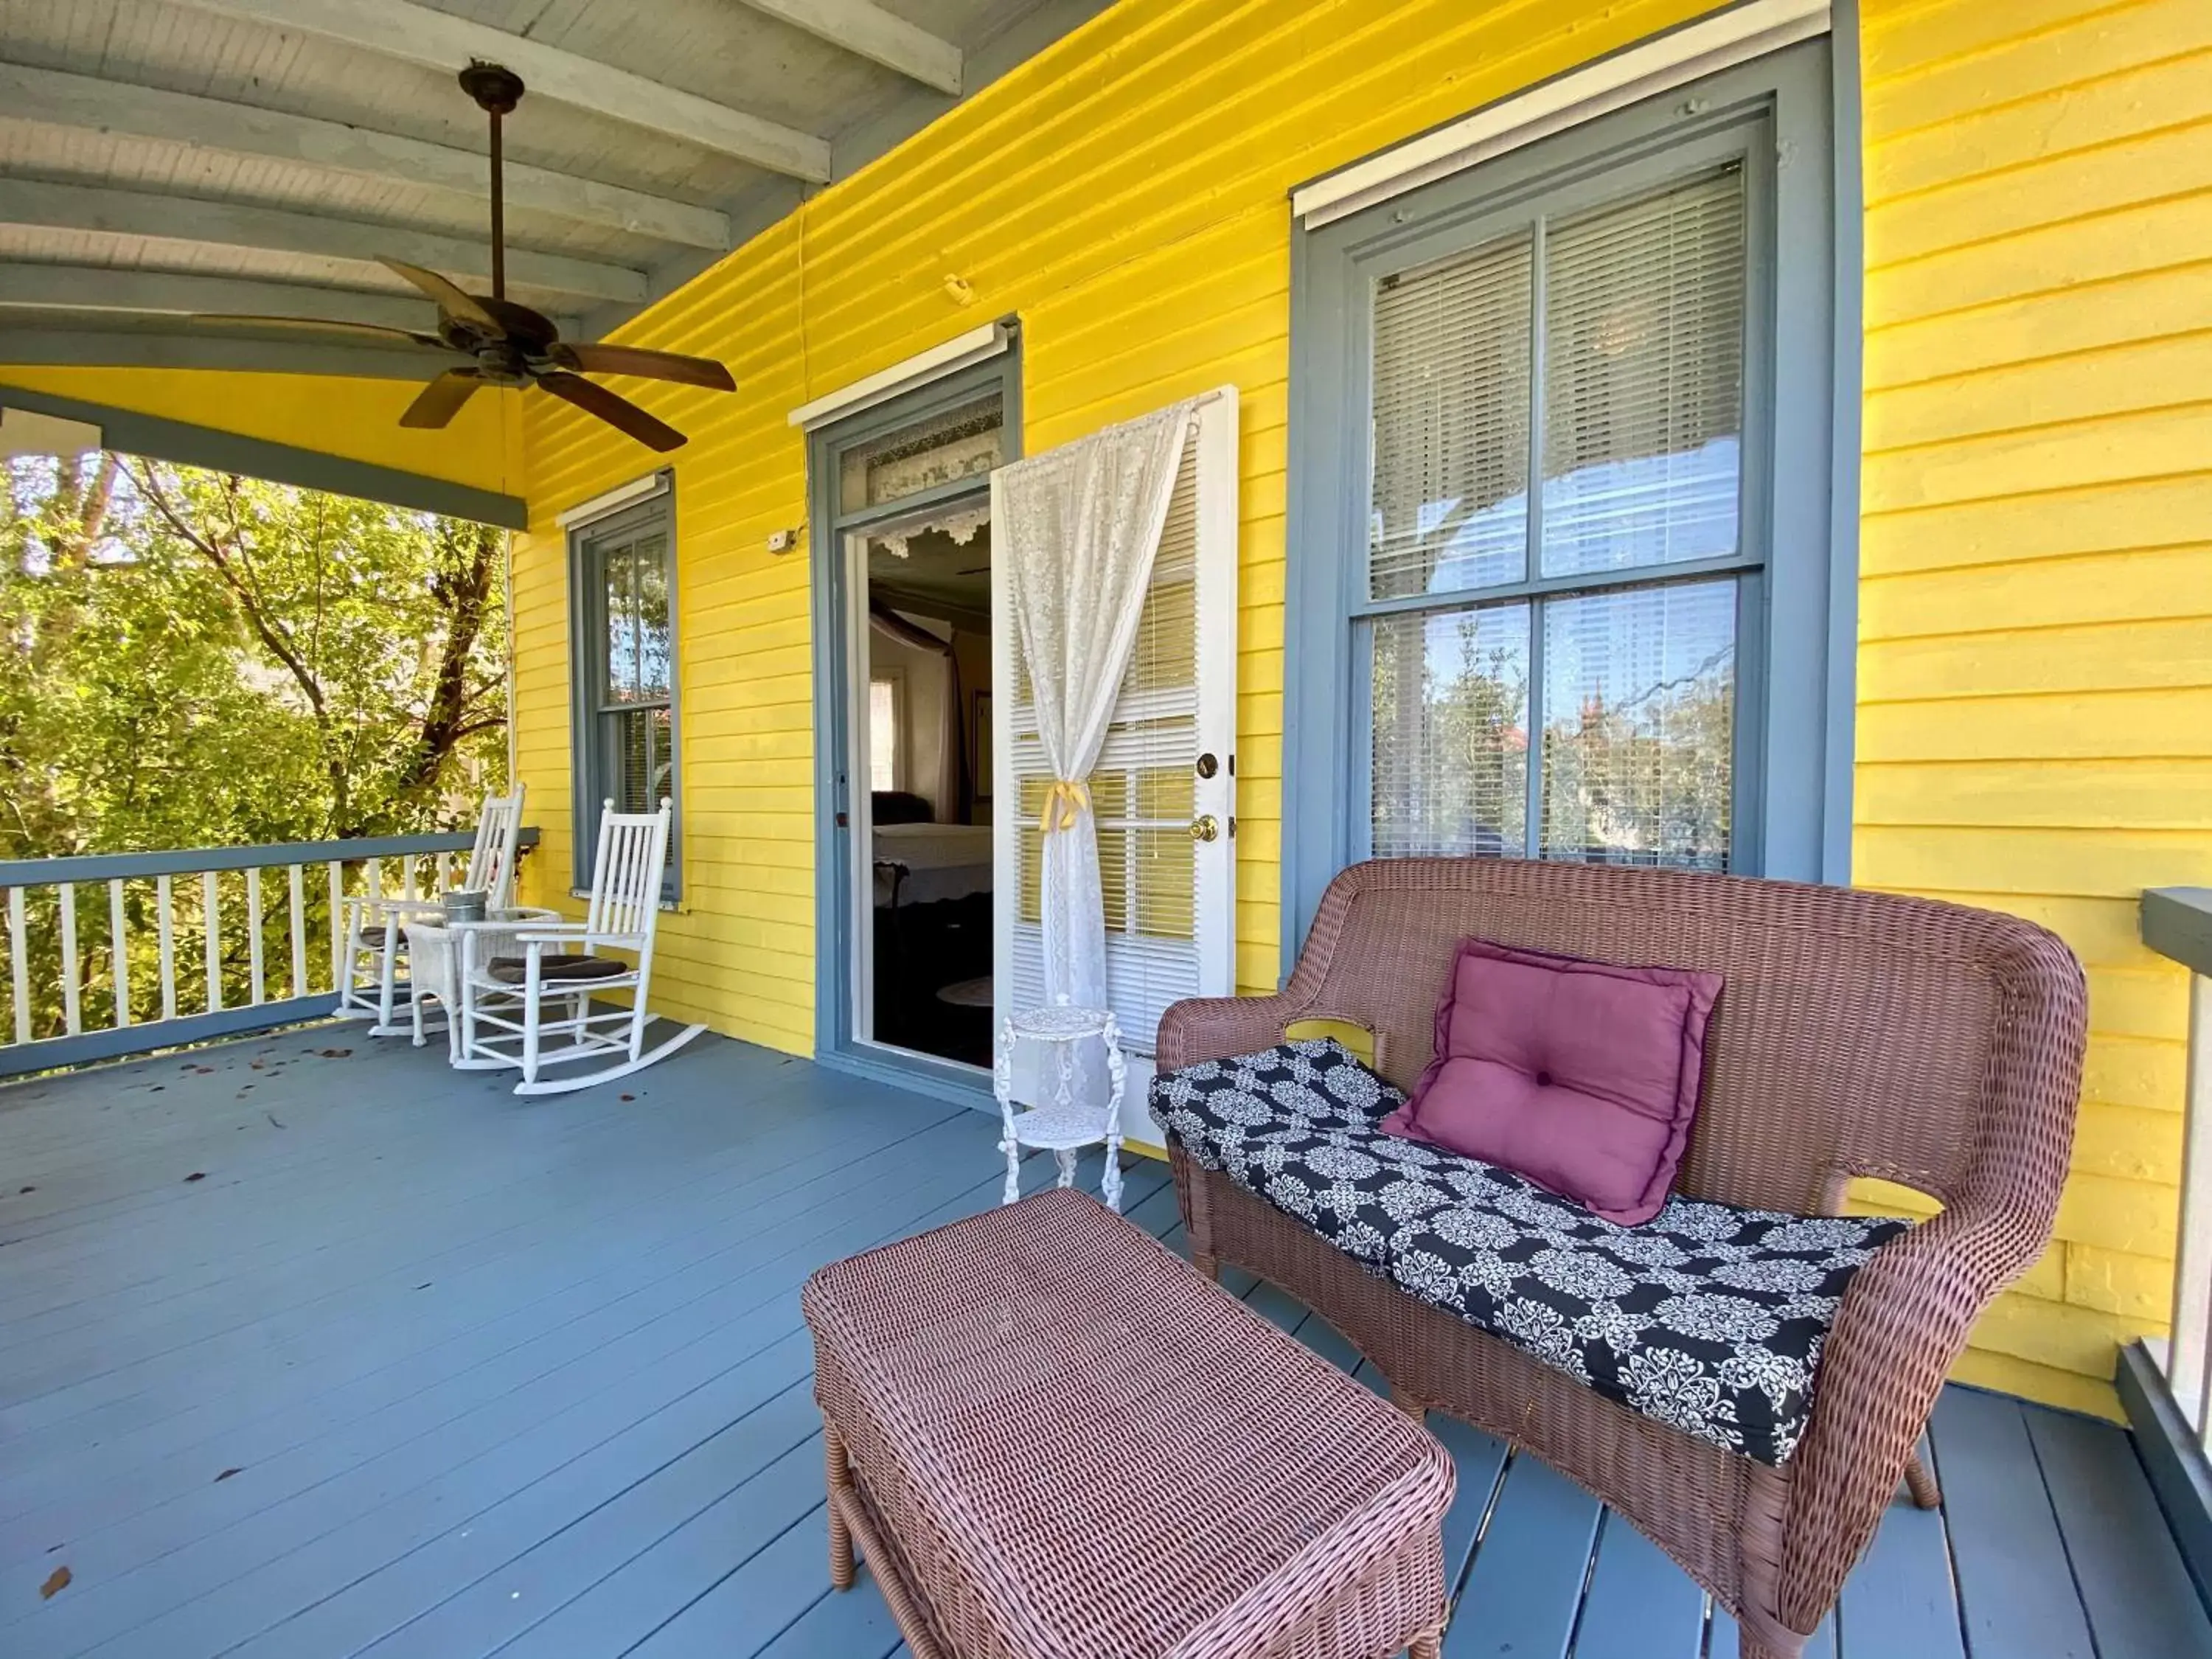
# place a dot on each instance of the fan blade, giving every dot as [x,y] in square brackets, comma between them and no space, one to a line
[650,365]
[451,296]
[440,401]
[314,324]
[616,411]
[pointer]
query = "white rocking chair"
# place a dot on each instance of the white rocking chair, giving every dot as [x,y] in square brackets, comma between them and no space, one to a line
[505,1019]
[369,985]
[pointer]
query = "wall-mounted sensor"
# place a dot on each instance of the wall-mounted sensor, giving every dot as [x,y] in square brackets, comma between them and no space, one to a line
[782,541]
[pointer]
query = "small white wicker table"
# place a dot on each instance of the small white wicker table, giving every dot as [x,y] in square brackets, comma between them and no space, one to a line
[433,964]
[1064,1125]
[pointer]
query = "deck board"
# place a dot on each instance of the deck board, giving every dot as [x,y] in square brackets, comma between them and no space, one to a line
[530,1378]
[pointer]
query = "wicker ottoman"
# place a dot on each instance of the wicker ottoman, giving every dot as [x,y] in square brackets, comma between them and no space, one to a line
[1052,1439]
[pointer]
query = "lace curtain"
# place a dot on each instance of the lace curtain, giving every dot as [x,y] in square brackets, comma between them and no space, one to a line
[1079,527]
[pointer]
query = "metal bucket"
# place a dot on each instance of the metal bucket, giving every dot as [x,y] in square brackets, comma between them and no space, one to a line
[466,906]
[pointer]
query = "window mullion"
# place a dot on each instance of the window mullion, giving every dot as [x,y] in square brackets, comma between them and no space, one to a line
[1532,833]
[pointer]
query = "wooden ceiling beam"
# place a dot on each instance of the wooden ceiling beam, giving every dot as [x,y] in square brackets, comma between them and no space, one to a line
[86,103]
[439,40]
[868,31]
[178,219]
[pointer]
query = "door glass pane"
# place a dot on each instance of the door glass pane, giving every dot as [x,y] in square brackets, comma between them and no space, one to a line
[619,596]
[1449,501]
[650,558]
[1639,727]
[1451,733]
[964,443]
[1644,325]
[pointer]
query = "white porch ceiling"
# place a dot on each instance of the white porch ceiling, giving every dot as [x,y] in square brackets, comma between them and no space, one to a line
[160,157]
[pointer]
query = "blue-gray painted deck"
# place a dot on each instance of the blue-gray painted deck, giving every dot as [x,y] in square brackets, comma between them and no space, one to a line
[310,1347]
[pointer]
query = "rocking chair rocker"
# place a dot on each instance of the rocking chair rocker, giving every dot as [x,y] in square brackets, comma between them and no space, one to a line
[370,986]
[505,1019]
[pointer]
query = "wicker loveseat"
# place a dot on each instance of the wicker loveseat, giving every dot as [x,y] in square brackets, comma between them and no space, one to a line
[1859,1034]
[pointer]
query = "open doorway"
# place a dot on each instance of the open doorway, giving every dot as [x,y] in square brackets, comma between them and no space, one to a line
[908,959]
[926,725]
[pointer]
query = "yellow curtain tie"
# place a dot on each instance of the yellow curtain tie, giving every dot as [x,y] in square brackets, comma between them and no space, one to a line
[1062,802]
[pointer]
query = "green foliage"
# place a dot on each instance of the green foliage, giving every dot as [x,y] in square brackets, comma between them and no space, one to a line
[191,658]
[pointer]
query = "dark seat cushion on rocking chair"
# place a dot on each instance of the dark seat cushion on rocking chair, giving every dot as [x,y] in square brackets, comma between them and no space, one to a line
[554,967]
[373,939]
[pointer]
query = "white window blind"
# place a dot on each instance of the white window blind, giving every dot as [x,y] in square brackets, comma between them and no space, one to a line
[1544,679]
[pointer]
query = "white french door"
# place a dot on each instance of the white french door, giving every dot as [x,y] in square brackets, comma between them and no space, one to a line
[1163,793]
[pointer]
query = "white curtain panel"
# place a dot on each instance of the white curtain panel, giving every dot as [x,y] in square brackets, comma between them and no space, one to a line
[1079,526]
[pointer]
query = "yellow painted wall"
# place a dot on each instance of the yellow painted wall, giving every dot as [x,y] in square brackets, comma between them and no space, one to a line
[341,415]
[1124,193]
[2036,664]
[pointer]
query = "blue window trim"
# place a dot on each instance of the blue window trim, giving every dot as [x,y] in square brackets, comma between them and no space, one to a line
[1795,728]
[587,790]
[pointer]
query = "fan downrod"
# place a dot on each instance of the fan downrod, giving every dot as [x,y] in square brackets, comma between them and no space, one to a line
[496,89]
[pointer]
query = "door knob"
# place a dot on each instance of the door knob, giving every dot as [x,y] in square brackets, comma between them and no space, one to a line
[1204,828]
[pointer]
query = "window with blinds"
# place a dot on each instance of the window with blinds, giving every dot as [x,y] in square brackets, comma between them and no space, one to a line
[624,658]
[1555,560]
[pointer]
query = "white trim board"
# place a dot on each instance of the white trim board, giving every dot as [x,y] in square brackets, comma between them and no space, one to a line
[1675,58]
[622,495]
[976,346]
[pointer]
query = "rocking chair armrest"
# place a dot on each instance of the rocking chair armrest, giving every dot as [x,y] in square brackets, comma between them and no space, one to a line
[554,933]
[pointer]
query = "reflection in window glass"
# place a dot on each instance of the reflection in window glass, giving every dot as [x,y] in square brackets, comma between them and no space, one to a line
[1450,499]
[1639,727]
[1451,733]
[1644,315]
[619,586]
[651,560]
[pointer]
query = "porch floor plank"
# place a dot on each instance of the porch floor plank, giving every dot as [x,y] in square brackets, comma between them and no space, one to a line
[2134,1586]
[2015,1581]
[418,1370]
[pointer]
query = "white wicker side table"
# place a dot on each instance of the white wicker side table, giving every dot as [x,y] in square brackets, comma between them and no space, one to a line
[1064,1125]
[434,962]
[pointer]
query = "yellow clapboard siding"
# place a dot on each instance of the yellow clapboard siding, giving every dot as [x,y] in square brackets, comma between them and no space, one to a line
[2029,525]
[2074,726]
[2075,794]
[2016,335]
[2138,655]
[2036,485]
[2164,371]
[1982,204]
[2167,232]
[1928,71]
[2136,1287]
[2118,588]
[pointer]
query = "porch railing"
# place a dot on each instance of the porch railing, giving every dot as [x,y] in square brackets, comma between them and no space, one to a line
[122,953]
[2177,923]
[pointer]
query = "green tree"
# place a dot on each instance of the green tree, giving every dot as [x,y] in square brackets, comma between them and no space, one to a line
[194,659]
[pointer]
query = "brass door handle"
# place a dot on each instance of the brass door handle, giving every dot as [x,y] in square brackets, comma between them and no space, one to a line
[1204,828]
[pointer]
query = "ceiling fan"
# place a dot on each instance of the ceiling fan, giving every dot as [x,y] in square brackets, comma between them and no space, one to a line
[508,344]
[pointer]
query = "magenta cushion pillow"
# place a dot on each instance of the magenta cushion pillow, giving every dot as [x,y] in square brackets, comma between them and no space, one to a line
[1581,1075]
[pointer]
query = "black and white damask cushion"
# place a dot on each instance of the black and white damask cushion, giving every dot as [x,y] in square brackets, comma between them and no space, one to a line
[1709,1317]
